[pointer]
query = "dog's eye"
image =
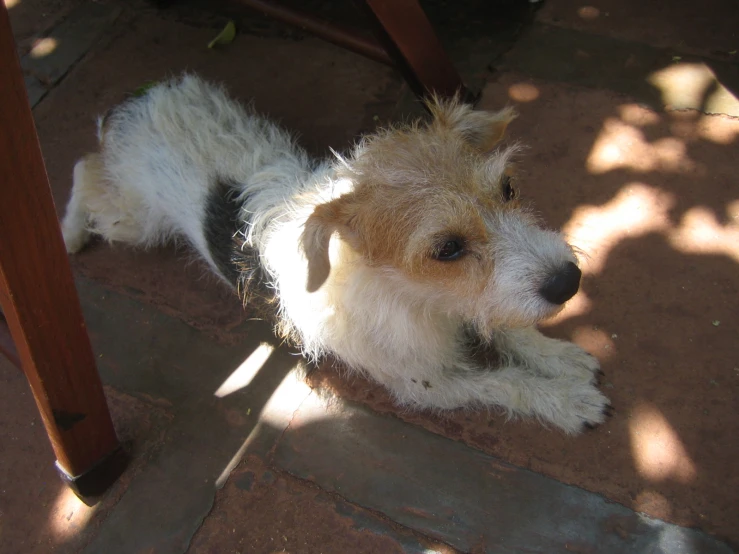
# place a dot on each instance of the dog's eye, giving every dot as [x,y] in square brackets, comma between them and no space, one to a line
[450,250]
[509,193]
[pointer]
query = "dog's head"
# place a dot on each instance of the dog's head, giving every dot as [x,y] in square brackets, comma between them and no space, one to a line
[435,206]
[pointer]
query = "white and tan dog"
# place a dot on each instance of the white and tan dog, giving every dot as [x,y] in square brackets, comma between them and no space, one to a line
[410,260]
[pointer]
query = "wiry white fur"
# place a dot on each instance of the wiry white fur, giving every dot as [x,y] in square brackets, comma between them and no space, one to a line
[161,154]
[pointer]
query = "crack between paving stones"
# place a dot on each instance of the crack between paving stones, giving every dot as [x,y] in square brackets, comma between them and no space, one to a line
[319,391]
[267,461]
[706,114]
[337,497]
[269,458]
[101,40]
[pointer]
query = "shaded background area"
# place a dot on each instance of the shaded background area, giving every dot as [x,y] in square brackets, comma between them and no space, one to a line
[648,192]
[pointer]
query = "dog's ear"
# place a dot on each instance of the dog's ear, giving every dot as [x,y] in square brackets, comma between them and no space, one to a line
[336,216]
[482,129]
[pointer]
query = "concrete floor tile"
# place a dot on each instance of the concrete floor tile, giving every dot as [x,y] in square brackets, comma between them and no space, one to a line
[709,27]
[451,492]
[262,511]
[35,90]
[165,362]
[654,76]
[53,56]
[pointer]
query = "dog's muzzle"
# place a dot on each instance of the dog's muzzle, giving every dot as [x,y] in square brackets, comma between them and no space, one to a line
[563,285]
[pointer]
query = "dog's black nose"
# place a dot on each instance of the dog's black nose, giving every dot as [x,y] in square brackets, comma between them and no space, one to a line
[563,285]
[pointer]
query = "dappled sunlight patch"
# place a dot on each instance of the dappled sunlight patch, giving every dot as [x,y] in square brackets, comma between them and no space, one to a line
[691,126]
[621,145]
[638,116]
[683,124]
[588,13]
[658,452]
[523,92]
[700,233]
[652,502]
[732,211]
[670,153]
[578,305]
[43,47]
[596,341]
[683,84]
[276,414]
[719,130]
[636,210]
[69,515]
[692,85]
[243,375]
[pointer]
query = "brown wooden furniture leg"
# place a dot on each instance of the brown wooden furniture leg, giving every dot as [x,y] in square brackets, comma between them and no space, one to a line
[407,35]
[39,299]
[7,347]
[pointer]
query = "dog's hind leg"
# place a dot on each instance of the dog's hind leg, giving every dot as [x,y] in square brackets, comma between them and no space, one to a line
[102,206]
[77,217]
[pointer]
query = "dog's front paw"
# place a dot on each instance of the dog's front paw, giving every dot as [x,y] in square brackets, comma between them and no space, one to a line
[548,357]
[568,359]
[557,358]
[577,405]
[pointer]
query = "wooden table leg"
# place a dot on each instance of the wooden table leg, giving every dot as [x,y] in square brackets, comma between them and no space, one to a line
[39,299]
[407,35]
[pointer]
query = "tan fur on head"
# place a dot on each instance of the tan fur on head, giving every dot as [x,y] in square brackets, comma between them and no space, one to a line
[482,129]
[415,188]
[332,217]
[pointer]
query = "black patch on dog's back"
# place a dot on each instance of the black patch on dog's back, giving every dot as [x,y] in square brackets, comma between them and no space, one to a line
[222,228]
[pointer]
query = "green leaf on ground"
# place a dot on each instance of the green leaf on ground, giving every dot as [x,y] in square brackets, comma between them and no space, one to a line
[224,37]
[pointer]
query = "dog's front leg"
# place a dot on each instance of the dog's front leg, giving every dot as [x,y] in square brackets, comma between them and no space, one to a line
[546,356]
[567,402]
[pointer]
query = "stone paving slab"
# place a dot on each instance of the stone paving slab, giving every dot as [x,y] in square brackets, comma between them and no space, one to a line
[54,55]
[165,362]
[639,70]
[470,500]
[262,511]
[708,27]
[34,89]
[38,513]
[173,502]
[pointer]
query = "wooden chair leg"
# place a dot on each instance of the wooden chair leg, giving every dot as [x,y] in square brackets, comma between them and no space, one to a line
[407,35]
[39,300]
